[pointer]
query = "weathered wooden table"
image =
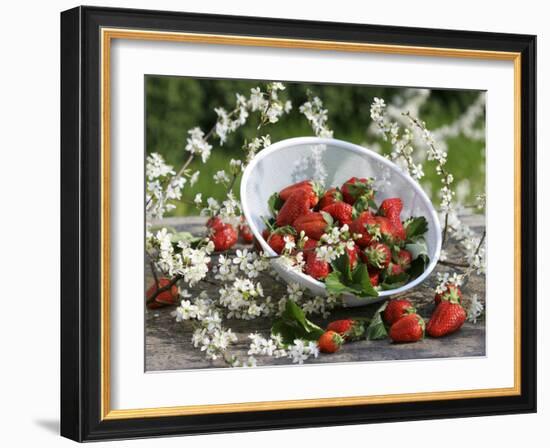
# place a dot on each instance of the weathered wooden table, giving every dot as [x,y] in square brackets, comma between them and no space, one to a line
[168,343]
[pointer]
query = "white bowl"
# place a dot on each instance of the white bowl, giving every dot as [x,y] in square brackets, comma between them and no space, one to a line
[332,162]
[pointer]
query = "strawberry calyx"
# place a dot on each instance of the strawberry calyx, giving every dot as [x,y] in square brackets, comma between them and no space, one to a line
[452,295]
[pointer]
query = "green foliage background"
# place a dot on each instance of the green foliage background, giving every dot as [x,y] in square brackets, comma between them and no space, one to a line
[175,104]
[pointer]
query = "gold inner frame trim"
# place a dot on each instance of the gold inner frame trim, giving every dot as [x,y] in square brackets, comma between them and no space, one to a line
[107,35]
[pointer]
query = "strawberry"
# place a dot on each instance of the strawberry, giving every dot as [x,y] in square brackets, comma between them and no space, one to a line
[396,309]
[409,328]
[378,255]
[356,187]
[312,224]
[341,212]
[296,205]
[404,259]
[447,318]
[214,222]
[391,206]
[330,342]
[277,239]
[316,267]
[353,254]
[349,329]
[365,224]
[331,196]
[307,186]
[245,232]
[387,229]
[224,237]
[374,277]
[452,292]
[394,269]
[168,297]
[310,244]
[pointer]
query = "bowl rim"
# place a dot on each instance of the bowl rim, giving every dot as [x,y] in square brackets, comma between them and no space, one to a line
[299,141]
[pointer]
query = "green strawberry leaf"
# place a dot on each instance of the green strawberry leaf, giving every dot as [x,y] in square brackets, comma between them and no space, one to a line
[293,324]
[377,329]
[342,265]
[328,218]
[274,203]
[419,265]
[415,226]
[342,279]
[417,248]
[394,281]
[360,276]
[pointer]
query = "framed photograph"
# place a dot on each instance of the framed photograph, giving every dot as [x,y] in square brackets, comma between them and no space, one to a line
[276,224]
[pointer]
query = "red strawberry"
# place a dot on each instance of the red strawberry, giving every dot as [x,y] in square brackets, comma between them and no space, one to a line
[374,277]
[365,224]
[312,224]
[310,244]
[331,196]
[396,309]
[214,222]
[245,232]
[349,329]
[452,293]
[391,206]
[353,255]
[378,255]
[316,267]
[224,237]
[408,329]
[356,187]
[447,318]
[341,212]
[330,342]
[387,229]
[307,186]
[404,259]
[277,240]
[296,205]
[168,297]
[394,269]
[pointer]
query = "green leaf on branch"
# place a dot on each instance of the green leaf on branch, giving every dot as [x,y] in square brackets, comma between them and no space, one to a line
[293,324]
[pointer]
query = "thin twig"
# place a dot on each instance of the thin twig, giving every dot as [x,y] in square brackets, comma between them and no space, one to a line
[165,288]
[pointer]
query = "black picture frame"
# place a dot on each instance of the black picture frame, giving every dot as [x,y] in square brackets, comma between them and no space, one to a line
[81,224]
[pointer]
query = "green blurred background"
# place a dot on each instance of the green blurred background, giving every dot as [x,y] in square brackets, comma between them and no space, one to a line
[175,104]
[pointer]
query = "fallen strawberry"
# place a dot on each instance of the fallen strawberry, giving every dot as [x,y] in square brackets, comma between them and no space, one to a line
[168,297]
[330,342]
[224,236]
[296,205]
[451,292]
[409,328]
[214,222]
[331,196]
[447,318]
[245,232]
[378,255]
[341,212]
[349,329]
[356,187]
[312,224]
[396,309]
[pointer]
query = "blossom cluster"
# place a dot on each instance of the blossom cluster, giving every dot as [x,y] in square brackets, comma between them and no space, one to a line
[317,117]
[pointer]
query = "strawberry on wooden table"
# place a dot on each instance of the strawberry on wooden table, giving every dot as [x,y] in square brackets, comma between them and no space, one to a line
[331,196]
[168,297]
[451,292]
[245,232]
[396,309]
[349,329]
[313,224]
[330,342]
[409,328]
[296,205]
[341,212]
[447,318]
[224,236]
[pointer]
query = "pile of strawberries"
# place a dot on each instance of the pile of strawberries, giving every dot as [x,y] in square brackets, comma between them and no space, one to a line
[401,321]
[225,235]
[304,207]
